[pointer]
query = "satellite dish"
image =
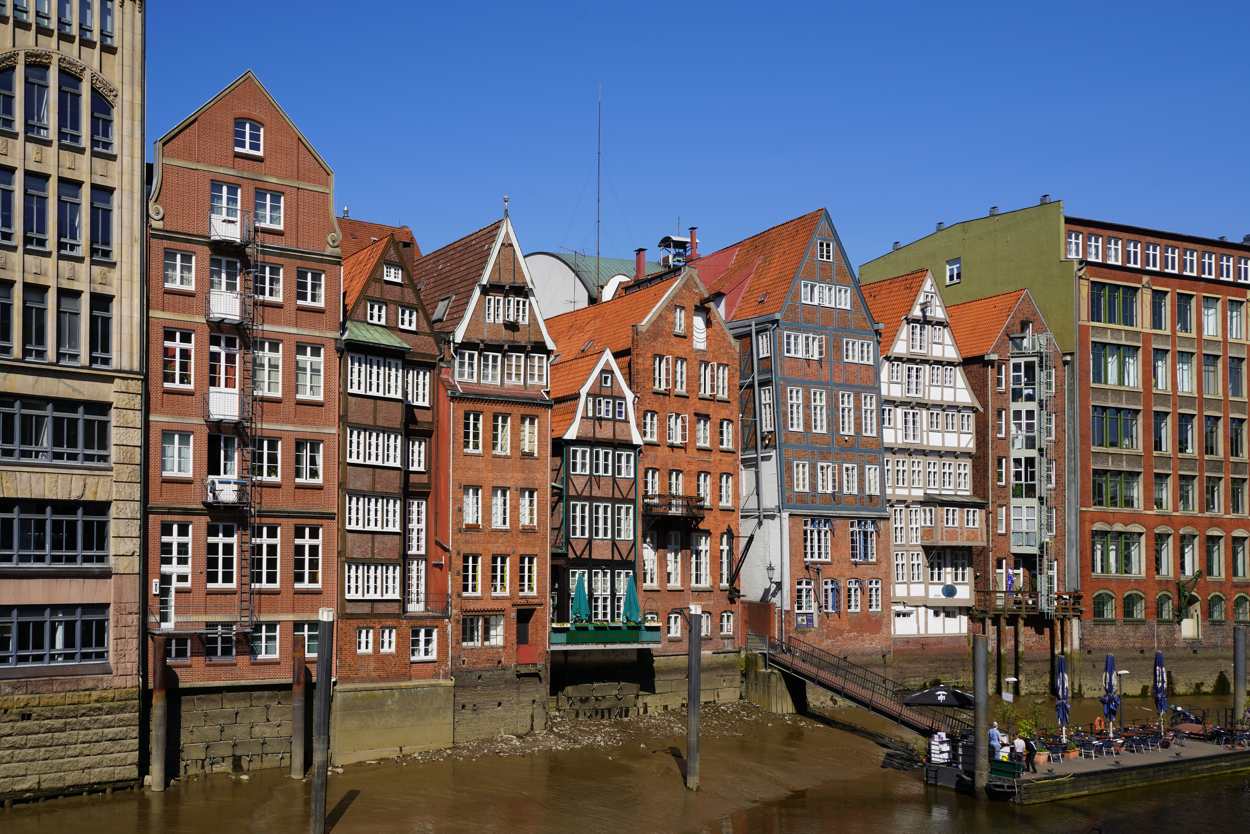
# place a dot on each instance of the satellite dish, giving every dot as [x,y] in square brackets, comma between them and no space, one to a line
[949,591]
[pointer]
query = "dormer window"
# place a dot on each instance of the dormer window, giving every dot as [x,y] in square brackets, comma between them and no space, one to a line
[824,250]
[249,137]
[392,273]
[377,313]
[679,321]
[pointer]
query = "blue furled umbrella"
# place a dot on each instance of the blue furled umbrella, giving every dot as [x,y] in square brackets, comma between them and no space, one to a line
[1161,686]
[632,612]
[1063,703]
[1110,700]
[580,612]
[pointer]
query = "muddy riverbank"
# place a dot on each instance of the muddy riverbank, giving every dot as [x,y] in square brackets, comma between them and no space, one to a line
[759,772]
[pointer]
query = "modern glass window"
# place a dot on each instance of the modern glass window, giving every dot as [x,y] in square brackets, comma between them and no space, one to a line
[1115,488]
[1113,304]
[1236,319]
[69,109]
[1210,375]
[1161,372]
[54,431]
[8,98]
[35,211]
[36,101]
[1115,427]
[68,327]
[7,203]
[1158,310]
[1184,372]
[1236,376]
[37,635]
[1113,364]
[53,533]
[35,323]
[101,123]
[101,223]
[1210,317]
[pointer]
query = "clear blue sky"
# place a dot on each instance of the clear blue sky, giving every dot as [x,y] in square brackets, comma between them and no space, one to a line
[735,116]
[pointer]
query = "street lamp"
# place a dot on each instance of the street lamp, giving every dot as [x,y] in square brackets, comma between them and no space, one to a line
[694,628]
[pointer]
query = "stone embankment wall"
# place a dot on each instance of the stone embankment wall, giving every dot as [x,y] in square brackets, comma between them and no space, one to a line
[230,730]
[591,688]
[61,742]
[494,702]
[384,720]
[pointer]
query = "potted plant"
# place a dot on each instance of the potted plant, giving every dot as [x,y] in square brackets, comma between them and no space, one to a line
[1070,750]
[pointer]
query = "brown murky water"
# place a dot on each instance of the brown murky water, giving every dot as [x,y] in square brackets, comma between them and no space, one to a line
[760,774]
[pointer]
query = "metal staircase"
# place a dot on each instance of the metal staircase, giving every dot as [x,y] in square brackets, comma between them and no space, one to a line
[232,311]
[862,685]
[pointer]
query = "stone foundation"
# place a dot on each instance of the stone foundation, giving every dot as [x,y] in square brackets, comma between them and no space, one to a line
[231,729]
[68,742]
[490,703]
[384,720]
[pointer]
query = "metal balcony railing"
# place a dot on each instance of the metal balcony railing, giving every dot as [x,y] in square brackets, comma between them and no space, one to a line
[225,306]
[225,226]
[223,404]
[676,506]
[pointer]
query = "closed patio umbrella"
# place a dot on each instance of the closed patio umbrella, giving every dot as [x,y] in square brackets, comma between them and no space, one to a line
[1063,703]
[580,612]
[1110,700]
[1160,688]
[632,612]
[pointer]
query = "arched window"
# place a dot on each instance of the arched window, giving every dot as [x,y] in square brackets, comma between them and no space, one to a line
[1134,606]
[1215,608]
[249,137]
[69,108]
[1163,608]
[1104,606]
[101,123]
[1241,609]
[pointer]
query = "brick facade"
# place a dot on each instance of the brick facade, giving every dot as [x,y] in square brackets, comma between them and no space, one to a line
[198,303]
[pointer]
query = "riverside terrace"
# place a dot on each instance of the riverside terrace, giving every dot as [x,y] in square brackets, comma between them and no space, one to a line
[1104,766]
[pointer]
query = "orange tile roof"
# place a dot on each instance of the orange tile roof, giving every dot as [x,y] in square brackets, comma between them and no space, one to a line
[359,267]
[608,324]
[567,378]
[562,415]
[361,234]
[454,271]
[976,325]
[892,299]
[755,274]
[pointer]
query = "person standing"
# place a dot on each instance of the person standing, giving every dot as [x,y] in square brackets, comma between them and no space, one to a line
[1030,754]
[996,741]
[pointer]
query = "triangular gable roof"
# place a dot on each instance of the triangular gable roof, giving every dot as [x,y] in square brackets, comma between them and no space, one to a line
[891,300]
[361,234]
[606,325]
[360,267]
[247,75]
[454,271]
[976,325]
[605,361]
[460,269]
[755,274]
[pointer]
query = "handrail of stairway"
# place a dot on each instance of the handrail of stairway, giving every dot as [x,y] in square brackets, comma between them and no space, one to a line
[882,693]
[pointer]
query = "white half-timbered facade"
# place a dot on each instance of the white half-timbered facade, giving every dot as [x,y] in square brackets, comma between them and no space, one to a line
[928,430]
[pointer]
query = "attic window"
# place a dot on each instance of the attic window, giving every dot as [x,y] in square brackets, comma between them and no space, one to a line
[440,311]
[606,380]
[249,137]
[392,272]
[824,250]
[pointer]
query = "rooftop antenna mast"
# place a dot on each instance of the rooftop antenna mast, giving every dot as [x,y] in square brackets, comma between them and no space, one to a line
[598,178]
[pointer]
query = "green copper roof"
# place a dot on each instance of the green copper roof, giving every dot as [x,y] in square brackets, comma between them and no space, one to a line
[373,334]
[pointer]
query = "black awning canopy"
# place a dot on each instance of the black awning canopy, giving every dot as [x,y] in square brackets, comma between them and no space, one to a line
[940,696]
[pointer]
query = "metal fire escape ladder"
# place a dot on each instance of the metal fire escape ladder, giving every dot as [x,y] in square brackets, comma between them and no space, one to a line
[249,326]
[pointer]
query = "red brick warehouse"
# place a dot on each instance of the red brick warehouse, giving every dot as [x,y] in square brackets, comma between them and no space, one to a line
[243,399]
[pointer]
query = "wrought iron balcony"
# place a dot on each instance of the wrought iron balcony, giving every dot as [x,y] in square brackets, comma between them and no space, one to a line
[674,506]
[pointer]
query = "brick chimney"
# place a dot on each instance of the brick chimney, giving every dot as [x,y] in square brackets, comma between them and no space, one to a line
[640,264]
[694,243]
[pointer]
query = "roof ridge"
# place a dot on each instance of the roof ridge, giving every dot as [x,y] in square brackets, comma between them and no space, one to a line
[461,239]
[771,228]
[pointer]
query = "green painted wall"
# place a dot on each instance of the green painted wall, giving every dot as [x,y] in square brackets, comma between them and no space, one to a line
[1013,250]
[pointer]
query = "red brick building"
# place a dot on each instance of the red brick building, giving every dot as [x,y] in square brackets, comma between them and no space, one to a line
[1015,369]
[243,405]
[494,406]
[393,595]
[813,506]
[679,360]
